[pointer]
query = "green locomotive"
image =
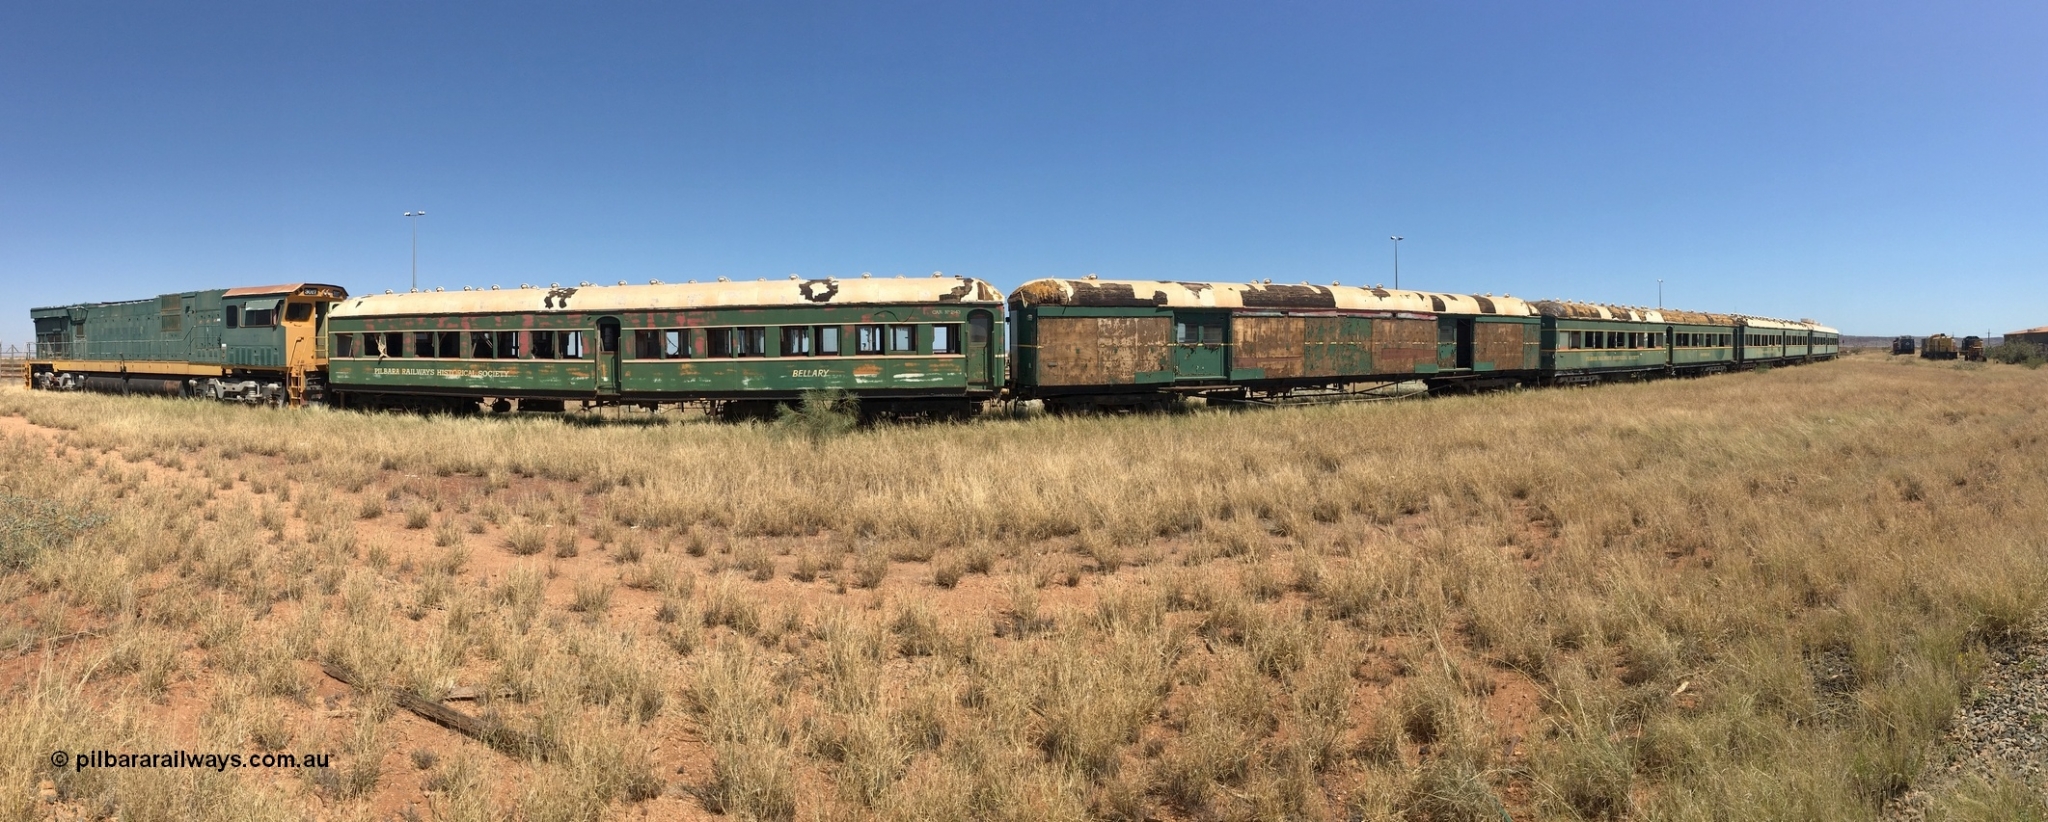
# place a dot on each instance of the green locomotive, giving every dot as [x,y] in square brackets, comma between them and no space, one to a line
[255,344]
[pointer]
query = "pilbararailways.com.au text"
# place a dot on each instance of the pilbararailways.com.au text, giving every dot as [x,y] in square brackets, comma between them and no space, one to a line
[185,759]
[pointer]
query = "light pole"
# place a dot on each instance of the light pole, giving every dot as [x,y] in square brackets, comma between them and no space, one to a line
[414,219]
[1397,260]
[1660,293]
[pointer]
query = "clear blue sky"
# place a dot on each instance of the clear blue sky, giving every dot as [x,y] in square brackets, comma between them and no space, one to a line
[1882,167]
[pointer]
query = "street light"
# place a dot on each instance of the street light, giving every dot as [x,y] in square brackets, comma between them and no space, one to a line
[414,219]
[1397,260]
[1660,293]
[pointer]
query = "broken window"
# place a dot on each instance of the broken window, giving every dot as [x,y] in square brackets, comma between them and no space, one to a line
[675,344]
[372,346]
[451,344]
[344,345]
[569,345]
[902,339]
[423,343]
[481,346]
[868,339]
[394,344]
[543,345]
[508,345]
[796,341]
[298,312]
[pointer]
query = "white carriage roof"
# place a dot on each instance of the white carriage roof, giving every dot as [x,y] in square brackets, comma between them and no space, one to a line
[665,296]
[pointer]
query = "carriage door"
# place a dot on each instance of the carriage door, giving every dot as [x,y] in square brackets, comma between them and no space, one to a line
[979,353]
[1454,342]
[1198,344]
[608,356]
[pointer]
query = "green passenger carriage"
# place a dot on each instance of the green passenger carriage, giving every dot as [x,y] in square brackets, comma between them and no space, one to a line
[903,346]
[1127,343]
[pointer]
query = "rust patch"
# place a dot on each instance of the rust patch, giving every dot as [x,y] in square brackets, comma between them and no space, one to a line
[1485,304]
[819,291]
[958,292]
[1436,303]
[869,370]
[1289,296]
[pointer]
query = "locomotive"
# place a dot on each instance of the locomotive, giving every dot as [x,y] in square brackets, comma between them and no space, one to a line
[940,347]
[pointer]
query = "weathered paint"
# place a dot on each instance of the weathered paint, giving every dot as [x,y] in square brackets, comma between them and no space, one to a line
[693,311]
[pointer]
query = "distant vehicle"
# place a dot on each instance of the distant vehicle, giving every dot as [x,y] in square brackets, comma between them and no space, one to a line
[1973,349]
[1903,345]
[1939,347]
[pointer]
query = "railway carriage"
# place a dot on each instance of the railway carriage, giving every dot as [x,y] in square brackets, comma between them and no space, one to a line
[254,344]
[1089,343]
[901,345]
[1585,342]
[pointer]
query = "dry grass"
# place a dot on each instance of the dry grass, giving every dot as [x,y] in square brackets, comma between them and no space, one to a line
[1750,596]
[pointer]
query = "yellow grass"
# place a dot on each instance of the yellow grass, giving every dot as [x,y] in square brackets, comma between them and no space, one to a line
[1754,596]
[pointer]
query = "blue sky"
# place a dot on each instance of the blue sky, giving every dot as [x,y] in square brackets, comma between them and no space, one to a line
[1882,167]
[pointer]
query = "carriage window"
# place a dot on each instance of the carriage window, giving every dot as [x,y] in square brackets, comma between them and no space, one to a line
[423,343]
[828,340]
[394,344]
[868,339]
[569,345]
[508,345]
[543,345]
[450,344]
[720,340]
[259,317]
[1211,332]
[481,346]
[234,316]
[675,344]
[945,339]
[796,341]
[902,339]
[1180,334]
[344,345]
[373,345]
[752,342]
[647,345]
[298,312]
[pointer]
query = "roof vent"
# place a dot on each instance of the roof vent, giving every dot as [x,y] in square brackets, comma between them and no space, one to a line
[387,291]
[792,275]
[583,283]
[622,282]
[414,290]
[936,275]
[864,275]
[438,289]
[899,276]
[1091,275]
[554,285]
[524,286]
[467,288]
[654,282]
[1333,282]
[693,282]
[723,280]
[1269,281]
[494,286]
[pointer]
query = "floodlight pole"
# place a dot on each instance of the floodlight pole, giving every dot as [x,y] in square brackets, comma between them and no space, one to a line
[1397,259]
[413,217]
[1660,293]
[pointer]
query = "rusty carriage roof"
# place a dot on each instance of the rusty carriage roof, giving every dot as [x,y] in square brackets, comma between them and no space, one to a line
[672,296]
[1256,295]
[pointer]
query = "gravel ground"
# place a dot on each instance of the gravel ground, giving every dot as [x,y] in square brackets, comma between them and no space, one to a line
[2004,726]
